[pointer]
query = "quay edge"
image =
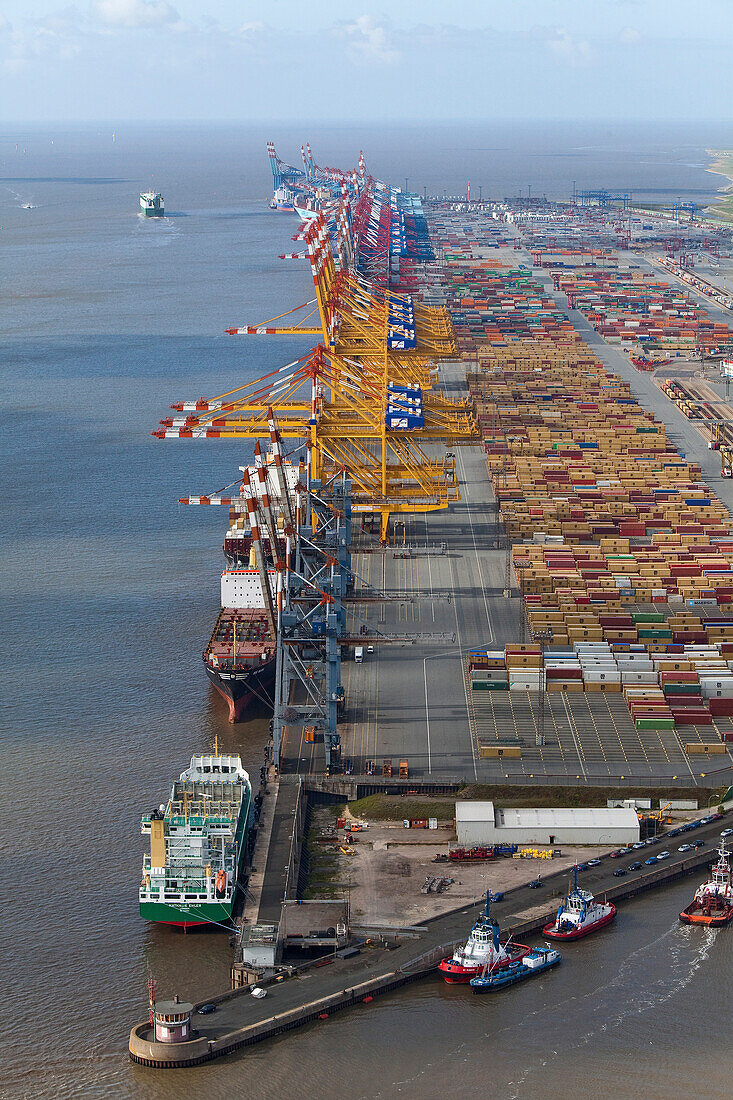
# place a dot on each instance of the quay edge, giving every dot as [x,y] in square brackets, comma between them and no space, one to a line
[156,1055]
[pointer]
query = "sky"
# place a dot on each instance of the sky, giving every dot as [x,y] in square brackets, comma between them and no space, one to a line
[292,60]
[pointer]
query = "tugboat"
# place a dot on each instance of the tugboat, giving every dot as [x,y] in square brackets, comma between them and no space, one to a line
[713,900]
[482,950]
[579,915]
[536,962]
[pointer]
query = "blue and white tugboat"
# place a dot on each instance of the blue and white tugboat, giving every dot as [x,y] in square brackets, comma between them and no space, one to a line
[579,914]
[536,962]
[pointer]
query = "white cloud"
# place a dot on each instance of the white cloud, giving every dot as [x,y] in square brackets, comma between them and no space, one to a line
[367,40]
[629,36]
[247,30]
[573,51]
[136,13]
[5,25]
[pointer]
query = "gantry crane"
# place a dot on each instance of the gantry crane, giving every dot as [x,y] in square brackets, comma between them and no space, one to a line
[364,399]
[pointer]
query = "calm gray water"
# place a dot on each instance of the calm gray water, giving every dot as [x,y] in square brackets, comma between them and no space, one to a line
[109,589]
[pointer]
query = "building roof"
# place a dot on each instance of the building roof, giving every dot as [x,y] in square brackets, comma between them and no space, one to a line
[561,818]
[475,811]
[586,818]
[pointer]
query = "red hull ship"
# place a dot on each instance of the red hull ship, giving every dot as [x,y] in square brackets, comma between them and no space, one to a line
[712,904]
[579,914]
[482,952]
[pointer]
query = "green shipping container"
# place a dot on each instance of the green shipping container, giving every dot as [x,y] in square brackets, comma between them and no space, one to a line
[654,723]
[490,685]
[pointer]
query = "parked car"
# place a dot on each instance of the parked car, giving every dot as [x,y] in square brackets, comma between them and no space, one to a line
[581,866]
[498,896]
[535,883]
[706,820]
[206,1010]
[639,844]
[699,843]
[726,832]
[617,854]
[594,863]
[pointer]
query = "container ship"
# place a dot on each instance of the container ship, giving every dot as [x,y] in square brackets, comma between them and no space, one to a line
[482,951]
[713,900]
[197,844]
[579,914]
[240,656]
[151,204]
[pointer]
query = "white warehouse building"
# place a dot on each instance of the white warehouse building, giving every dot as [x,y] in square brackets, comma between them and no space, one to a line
[482,823]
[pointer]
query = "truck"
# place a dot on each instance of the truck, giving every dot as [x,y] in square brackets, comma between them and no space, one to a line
[359,654]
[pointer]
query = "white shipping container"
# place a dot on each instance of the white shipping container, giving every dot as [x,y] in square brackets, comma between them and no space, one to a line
[602,677]
[638,678]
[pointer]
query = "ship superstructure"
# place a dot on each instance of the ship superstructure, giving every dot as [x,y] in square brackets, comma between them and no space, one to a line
[151,204]
[482,951]
[713,900]
[579,914]
[197,844]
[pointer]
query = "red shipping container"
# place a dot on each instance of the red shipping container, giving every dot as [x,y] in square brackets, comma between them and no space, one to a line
[721,707]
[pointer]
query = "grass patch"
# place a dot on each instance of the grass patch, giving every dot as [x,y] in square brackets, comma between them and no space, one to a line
[382,807]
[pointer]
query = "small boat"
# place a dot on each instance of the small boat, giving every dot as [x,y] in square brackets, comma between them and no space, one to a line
[579,914]
[713,900]
[482,949]
[536,962]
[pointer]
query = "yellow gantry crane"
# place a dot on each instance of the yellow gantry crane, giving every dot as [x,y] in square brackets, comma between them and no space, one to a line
[365,399]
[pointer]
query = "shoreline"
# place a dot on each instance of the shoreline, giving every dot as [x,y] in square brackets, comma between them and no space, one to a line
[722,165]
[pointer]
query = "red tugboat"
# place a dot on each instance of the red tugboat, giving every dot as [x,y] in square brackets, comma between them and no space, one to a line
[713,900]
[579,915]
[482,950]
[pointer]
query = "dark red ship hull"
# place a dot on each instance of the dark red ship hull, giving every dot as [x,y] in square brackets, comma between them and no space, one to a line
[241,689]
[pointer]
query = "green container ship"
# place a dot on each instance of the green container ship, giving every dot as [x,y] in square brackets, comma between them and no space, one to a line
[197,844]
[151,204]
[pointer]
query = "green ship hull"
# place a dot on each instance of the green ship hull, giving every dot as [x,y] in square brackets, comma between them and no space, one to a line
[189,916]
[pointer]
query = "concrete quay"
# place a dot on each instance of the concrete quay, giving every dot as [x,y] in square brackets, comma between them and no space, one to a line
[314,991]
